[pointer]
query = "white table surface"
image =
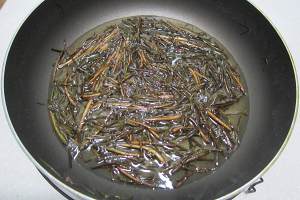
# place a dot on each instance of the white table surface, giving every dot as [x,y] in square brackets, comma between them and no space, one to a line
[20,180]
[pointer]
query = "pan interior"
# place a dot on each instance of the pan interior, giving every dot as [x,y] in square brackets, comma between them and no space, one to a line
[239,121]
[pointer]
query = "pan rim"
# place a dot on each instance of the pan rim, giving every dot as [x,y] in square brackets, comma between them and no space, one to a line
[291,129]
[68,189]
[11,127]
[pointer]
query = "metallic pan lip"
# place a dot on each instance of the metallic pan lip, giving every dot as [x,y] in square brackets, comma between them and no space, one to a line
[56,181]
[272,162]
[74,192]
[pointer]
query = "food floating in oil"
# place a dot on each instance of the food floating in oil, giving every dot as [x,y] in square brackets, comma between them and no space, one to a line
[148,99]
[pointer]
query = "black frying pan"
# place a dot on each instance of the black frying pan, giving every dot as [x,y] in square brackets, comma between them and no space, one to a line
[246,33]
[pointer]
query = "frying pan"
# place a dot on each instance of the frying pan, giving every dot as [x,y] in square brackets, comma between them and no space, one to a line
[239,26]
